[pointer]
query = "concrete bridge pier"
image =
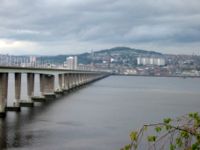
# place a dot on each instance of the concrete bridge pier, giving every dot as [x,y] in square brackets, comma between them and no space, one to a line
[17,85]
[60,82]
[87,78]
[3,93]
[30,91]
[49,86]
[74,80]
[83,78]
[70,81]
[42,84]
[16,105]
[66,81]
[61,87]
[79,79]
[40,98]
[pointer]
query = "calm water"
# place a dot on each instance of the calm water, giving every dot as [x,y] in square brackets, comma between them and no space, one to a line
[101,115]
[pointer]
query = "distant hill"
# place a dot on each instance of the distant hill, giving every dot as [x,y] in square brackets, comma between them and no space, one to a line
[129,50]
[119,53]
[98,56]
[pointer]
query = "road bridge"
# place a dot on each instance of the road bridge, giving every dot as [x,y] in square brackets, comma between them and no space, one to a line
[67,81]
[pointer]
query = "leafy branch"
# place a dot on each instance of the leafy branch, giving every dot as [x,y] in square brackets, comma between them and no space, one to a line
[180,133]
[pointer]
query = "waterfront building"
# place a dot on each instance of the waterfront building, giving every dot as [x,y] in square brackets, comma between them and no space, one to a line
[157,61]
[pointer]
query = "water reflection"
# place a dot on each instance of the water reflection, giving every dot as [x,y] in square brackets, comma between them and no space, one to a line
[14,129]
[13,133]
[3,134]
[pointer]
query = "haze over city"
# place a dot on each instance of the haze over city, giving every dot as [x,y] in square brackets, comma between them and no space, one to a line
[49,27]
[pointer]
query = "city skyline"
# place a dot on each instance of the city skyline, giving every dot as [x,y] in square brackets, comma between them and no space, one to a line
[70,27]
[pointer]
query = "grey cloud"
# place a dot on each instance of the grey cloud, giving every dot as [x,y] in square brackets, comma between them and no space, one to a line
[101,22]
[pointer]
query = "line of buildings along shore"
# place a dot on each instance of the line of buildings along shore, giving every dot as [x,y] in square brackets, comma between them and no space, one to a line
[31,61]
[157,61]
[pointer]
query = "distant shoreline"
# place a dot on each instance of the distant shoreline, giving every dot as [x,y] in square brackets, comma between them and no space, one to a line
[156,76]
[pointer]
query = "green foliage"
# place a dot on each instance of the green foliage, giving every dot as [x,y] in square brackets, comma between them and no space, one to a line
[179,142]
[151,138]
[133,136]
[172,147]
[195,146]
[127,147]
[182,133]
[158,129]
[167,120]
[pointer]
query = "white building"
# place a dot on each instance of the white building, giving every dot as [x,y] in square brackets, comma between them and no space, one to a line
[158,61]
[71,62]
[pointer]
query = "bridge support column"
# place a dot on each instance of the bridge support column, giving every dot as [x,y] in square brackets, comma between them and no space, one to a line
[85,78]
[79,79]
[60,82]
[30,85]
[42,90]
[17,92]
[3,93]
[42,84]
[76,80]
[73,80]
[60,90]
[30,91]
[49,86]
[66,82]
[51,82]
[46,84]
[70,81]
[82,79]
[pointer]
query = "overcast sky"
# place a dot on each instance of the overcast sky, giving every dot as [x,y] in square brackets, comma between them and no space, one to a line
[74,26]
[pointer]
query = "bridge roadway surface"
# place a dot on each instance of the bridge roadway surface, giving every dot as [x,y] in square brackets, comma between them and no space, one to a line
[67,79]
[14,69]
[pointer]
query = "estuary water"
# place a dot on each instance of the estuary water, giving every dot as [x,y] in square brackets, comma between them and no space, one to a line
[101,115]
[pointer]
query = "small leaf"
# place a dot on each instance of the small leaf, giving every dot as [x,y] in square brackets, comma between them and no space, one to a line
[172,147]
[179,142]
[198,138]
[196,115]
[133,136]
[184,134]
[195,146]
[127,147]
[191,115]
[158,129]
[167,120]
[168,127]
[151,138]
